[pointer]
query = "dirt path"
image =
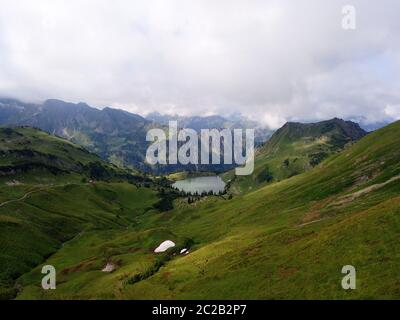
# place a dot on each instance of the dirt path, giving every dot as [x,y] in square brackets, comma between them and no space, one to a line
[20,199]
[311,222]
[353,196]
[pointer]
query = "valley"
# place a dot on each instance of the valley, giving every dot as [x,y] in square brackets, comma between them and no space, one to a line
[287,238]
[115,135]
[199,158]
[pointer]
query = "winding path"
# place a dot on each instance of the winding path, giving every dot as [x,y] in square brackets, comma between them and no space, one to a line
[20,199]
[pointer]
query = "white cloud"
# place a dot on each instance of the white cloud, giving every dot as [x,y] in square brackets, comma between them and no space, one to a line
[275,60]
[393,111]
[273,120]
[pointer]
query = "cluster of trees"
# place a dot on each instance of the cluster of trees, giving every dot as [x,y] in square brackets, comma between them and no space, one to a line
[265,175]
[167,197]
[286,163]
[317,158]
[97,171]
[193,199]
[197,196]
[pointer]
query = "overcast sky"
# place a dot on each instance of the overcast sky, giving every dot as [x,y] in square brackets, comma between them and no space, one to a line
[271,60]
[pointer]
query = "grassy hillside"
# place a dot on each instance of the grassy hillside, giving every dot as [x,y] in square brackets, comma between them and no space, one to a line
[36,227]
[50,191]
[115,135]
[289,239]
[294,149]
[31,155]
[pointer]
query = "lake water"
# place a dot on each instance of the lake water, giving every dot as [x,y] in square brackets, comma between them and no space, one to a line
[201,184]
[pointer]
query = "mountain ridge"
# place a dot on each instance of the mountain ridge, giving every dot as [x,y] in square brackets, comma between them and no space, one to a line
[296,148]
[28,154]
[116,135]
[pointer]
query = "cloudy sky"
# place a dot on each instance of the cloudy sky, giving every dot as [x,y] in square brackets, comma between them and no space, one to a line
[270,60]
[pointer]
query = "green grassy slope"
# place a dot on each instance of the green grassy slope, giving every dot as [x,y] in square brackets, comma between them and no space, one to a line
[45,199]
[289,239]
[115,135]
[294,149]
[36,227]
[25,150]
[31,155]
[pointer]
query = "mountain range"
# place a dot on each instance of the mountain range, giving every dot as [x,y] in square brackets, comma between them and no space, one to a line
[294,149]
[115,135]
[287,239]
[235,121]
[322,196]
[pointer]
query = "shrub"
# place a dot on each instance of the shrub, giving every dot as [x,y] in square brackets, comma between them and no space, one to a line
[264,176]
